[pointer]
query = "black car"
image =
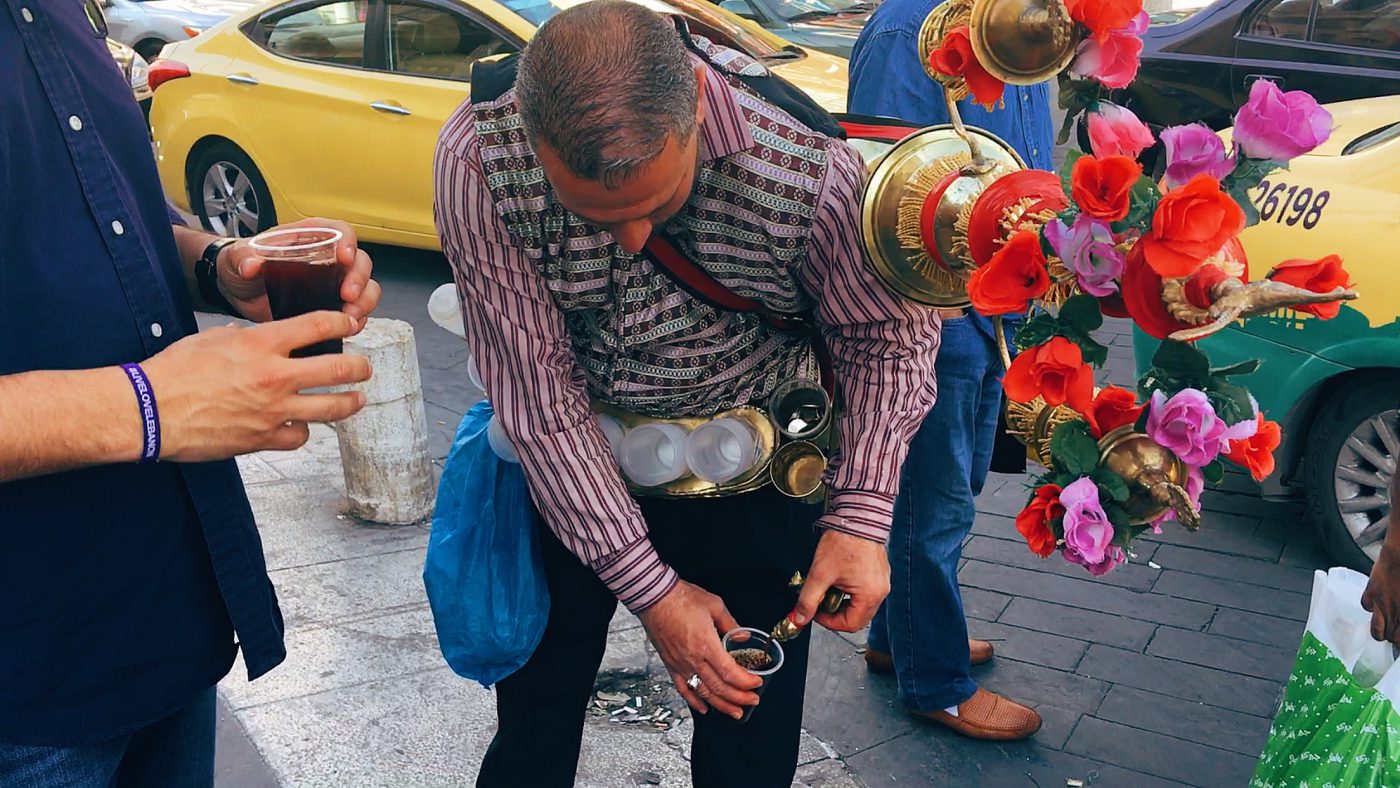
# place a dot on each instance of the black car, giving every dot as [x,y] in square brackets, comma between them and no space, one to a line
[1198,65]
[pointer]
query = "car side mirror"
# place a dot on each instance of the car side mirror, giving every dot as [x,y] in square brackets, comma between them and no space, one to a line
[739,8]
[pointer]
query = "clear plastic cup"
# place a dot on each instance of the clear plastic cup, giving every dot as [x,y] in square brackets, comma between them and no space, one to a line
[800,409]
[748,639]
[721,449]
[654,454]
[500,442]
[474,373]
[302,275]
[613,431]
[446,310]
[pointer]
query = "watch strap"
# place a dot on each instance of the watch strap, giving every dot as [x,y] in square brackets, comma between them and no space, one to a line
[206,277]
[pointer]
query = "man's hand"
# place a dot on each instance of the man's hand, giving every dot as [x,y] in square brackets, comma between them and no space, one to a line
[232,390]
[240,275]
[1382,596]
[686,627]
[857,566]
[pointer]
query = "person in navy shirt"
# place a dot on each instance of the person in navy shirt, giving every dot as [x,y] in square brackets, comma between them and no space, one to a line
[920,633]
[130,567]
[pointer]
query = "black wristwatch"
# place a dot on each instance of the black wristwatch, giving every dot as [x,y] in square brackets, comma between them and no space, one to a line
[206,276]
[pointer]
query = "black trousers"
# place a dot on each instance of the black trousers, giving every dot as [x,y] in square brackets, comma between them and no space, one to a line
[742,548]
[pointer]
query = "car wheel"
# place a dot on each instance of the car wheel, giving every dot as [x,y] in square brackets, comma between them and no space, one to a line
[1351,458]
[150,48]
[230,196]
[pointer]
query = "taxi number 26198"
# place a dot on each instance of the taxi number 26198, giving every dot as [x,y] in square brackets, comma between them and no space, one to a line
[1287,204]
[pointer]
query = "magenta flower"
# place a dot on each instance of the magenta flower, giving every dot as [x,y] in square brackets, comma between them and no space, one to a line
[1088,533]
[1111,558]
[1116,131]
[1187,425]
[1114,61]
[1194,150]
[1087,249]
[1280,126]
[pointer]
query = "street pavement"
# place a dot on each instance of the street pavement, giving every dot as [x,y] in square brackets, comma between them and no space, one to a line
[1165,672]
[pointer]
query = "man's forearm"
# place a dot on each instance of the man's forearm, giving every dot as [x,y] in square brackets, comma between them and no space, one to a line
[57,421]
[191,244]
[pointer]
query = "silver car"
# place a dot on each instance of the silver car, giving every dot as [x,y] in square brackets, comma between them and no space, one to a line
[148,25]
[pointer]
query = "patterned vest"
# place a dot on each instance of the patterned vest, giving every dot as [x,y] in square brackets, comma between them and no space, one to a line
[644,343]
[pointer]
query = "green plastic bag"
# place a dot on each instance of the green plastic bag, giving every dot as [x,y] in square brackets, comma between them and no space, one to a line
[1337,726]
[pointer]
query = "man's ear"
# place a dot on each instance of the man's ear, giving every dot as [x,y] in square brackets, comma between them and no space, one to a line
[700,93]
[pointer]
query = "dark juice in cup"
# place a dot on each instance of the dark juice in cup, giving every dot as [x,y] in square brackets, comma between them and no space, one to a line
[296,288]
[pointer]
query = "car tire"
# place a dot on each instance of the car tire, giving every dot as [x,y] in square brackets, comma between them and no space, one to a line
[1351,441]
[223,183]
[149,49]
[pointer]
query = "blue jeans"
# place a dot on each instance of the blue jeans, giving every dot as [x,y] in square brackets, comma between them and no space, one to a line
[176,752]
[921,624]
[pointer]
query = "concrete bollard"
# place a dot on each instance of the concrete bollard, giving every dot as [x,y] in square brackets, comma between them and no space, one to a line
[384,447]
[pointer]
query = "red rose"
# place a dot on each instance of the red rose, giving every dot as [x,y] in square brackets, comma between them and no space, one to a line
[1142,297]
[1055,371]
[1112,408]
[1321,276]
[1256,454]
[1191,224]
[1101,16]
[1103,187]
[954,58]
[1015,275]
[1034,521]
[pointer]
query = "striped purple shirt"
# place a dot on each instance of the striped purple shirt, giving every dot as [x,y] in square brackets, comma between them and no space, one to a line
[882,350]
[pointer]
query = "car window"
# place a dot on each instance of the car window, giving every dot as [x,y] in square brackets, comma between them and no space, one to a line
[1282,19]
[331,33]
[1367,24]
[704,18]
[431,42]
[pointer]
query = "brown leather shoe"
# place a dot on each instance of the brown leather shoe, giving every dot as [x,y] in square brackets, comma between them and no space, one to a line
[980,650]
[988,716]
[880,663]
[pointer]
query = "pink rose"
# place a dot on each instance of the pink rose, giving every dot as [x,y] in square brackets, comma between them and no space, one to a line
[1087,249]
[1088,533]
[1187,425]
[1193,150]
[1280,126]
[1111,558]
[1114,62]
[1116,131]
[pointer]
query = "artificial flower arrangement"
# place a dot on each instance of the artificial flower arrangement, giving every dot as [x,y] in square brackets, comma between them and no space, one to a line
[1109,240]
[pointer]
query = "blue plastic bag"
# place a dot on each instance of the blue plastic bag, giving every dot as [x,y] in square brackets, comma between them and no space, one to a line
[483,574]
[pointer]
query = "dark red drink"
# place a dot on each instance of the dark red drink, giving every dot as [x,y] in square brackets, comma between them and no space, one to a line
[296,288]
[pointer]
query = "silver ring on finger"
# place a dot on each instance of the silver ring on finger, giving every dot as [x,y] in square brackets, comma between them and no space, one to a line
[693,682]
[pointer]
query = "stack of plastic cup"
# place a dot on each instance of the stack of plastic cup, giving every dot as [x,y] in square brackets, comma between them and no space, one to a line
[613,432]
[721,450]
[654,454]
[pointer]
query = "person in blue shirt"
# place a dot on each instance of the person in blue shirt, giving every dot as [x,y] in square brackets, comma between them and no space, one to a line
[130,567]
[920,633]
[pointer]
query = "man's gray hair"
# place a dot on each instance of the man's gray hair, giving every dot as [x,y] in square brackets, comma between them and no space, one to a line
[603,84]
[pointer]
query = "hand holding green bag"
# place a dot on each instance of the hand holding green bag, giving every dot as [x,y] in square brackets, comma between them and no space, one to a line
[1337,726]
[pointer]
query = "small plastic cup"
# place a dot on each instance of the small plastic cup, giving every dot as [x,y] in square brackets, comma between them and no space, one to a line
[800,409]
[302,275]
[654,454]
[721,450]
[500,443]
[613,431]
[474,374]
[750,639]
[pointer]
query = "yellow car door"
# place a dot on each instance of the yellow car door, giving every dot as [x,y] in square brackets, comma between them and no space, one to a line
[430,50]
[301,89]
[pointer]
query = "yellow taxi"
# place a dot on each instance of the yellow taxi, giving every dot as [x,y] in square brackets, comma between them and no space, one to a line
[332,107]
[1333,384]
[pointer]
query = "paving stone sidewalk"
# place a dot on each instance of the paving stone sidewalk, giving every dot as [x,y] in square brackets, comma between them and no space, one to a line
[1165,672]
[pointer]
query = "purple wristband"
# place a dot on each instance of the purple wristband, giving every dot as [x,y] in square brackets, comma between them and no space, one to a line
[150,417]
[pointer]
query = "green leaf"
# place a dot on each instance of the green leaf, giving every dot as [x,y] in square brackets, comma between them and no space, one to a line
[1082,311]
[1251,212]
[1117,515]
[1142,205]
[1141,424]
[1094,353]
[1066,169]
[1214,473]
[1036,331]
[1123,535]
[1231,402]
[1248,367]
[1075,451]
[1182,361]
[1112,484]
